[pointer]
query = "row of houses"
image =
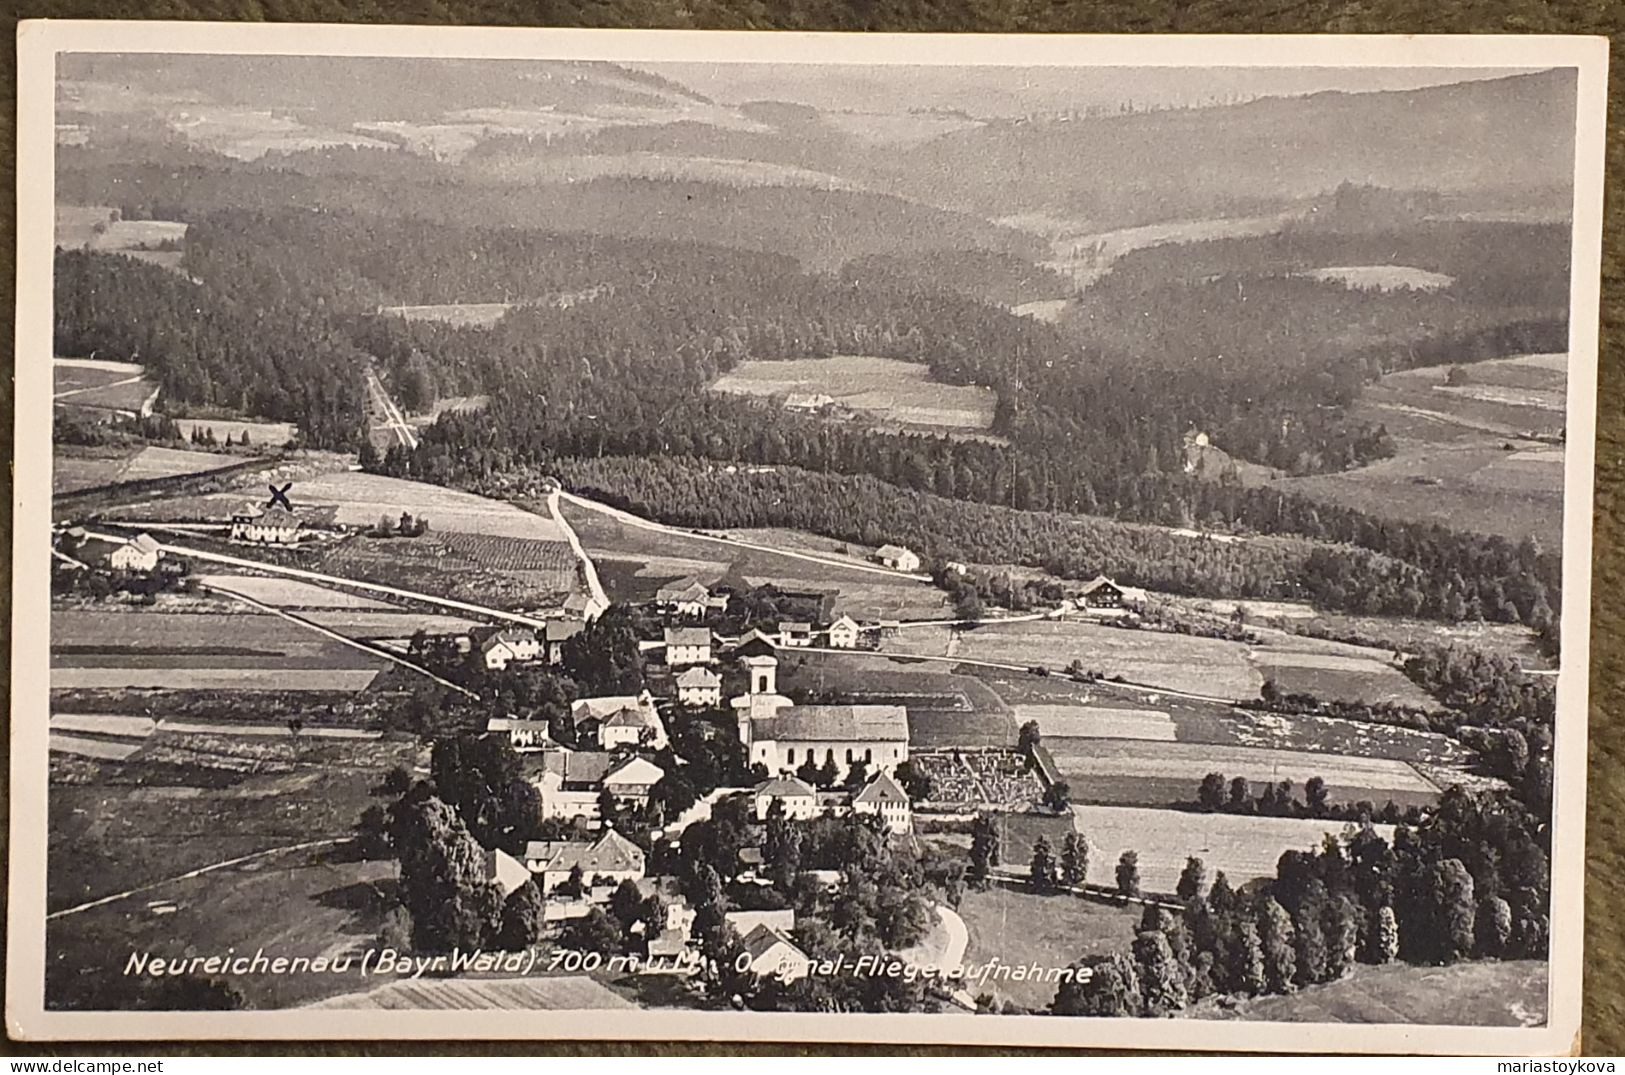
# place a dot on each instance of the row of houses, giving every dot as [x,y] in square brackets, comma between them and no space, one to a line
[881,797]
[136,555]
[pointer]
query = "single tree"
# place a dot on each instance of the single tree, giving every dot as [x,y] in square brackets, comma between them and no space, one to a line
[1277,942]
[1042,871]
[1210,795]
[1128,875]
[1074,860]
[1240,793]
[1191,880]
[1162,981]
[1058,796]
[1314,796]
[524,916]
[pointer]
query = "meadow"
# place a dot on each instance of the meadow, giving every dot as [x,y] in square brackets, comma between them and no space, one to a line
[1020,928]
[260,434]
[1123,772]
[1497,994]
[944,710]
[74,468]
[575,993]
[1465,454]
[1244,848]
[883,389]
[184,802]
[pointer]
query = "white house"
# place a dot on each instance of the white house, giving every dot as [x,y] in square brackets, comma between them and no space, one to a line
[523,734]
[688,598]
[883,798]
[795,633]
[799,799]
[699,687]
[585,607]
[843,633]
[275,525]
[898,558]
[745,922]
[628,726]
[509,645]
[140,553]
[773,954]
[688,645]
[632,780]
[608,860]
[601,709]
[569,781]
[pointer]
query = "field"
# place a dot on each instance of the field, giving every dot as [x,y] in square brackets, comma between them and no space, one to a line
[184,802]
[1174,662]
[1383,277]
[1465,455]
[1110,711]
[456,314]
[94,227]
[573,993]
[1496,994]
[1125,772]
[1243,847]
[1021,928]
[363,499]
[634,562]
[134,648]
[101,385]
[428,565]
[290,593]
[881,389]
[1330,670]
[76,468]
[260,434]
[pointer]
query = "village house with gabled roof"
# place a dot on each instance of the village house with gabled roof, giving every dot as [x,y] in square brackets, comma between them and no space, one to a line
[632,780]
[800,799]
[795,633]
[606,861]
[584,607]
[843,633]
[774,954]
[699,686]
[756,643]
[1102,592]
[885,799]
[140,553]
[505,871]
[509,645]
[555,633]
[687,645]
[898,558]
[591,714]
[684,598]
[275,525]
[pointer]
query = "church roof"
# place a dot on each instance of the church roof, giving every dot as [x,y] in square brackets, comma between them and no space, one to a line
[834,723]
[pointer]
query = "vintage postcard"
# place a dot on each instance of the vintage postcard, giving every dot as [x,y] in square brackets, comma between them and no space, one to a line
[1056,541]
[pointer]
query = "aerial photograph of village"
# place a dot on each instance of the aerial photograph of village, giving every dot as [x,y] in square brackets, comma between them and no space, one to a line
[560,535]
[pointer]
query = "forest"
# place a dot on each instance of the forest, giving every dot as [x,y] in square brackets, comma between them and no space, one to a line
[278,313]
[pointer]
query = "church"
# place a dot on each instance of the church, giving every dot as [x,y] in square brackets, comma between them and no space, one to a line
[783,736]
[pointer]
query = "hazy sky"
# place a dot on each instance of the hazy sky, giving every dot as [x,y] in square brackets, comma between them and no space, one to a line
[1005,91]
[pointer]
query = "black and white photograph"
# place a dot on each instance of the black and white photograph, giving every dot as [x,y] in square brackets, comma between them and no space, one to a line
[1085,541]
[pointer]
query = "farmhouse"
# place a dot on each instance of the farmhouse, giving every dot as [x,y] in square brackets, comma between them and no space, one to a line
[628,726]
[799,799]
[508,645]
[882,798]
[590,714]
[505,870]
[773,954]
[843,633]
[556,633]
[1102,592]
[808,402]
[522,734]
[683,599]
[898,558]
[795,633]
[584,607]
[744,922]
[688,645]
[275,525]
[755,643]
[609,860]
[632,780]
[699,687]
[140,553]
[571,781]
[781,735]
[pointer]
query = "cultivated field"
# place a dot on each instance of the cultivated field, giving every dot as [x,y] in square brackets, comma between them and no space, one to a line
[1305,667]
[456,314]
[1464,454]
[883,389]
[428,565]
[136,648]
[363,499]
[290,593]
[634,562]
[1175,662]
[1099,722]
[1243,847]
[1021,928]
[572,993]
[1124,772]
[552,560]
[944,710]
[100,389]
[1496,994]
[75,468]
